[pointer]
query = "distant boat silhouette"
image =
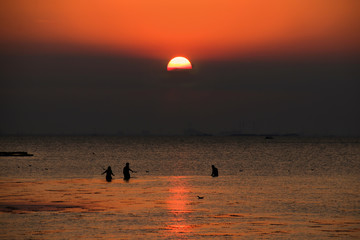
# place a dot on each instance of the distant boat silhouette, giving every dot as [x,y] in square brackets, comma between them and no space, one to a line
[200,197]
[16,154]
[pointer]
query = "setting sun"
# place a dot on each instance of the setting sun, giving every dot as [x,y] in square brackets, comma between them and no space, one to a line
[179,63]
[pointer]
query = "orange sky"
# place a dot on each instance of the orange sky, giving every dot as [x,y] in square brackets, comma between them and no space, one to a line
[193,28]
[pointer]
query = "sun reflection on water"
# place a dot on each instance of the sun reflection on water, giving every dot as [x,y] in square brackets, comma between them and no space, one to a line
[178,207]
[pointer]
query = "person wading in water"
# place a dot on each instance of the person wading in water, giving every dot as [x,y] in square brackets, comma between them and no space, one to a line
[109,174]
[126,172]
[215,171]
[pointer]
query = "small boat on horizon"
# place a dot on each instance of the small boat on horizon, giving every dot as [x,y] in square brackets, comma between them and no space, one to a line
[15,154]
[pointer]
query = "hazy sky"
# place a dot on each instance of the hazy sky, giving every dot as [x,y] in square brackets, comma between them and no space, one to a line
[258,66]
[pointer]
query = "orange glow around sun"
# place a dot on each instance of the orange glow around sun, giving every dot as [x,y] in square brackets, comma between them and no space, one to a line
[179,63]
[161,28]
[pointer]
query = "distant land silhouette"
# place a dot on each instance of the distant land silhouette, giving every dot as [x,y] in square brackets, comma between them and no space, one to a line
[194,132]
[186,132]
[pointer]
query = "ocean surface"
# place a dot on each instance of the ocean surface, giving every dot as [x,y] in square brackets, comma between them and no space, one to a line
[281,188]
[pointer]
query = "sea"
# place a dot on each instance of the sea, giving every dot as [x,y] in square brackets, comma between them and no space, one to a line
[282,188]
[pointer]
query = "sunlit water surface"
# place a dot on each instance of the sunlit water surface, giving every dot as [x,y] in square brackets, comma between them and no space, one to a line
[284,188]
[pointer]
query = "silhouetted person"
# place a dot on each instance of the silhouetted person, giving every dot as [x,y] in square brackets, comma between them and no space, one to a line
[126,171]
[215,172]
[108,174]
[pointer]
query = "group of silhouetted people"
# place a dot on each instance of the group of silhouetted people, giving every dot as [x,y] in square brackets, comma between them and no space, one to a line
[127,170]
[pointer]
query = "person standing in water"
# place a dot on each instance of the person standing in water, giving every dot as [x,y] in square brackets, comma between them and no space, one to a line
[109,174]
[215,172]
[126,171]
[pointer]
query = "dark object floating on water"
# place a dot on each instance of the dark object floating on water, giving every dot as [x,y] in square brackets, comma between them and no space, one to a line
[200,197]
[15,154]
[269,137]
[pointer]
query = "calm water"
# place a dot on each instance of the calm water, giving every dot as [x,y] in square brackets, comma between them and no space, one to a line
[285,188]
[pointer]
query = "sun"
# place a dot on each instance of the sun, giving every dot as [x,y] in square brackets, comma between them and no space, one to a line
[179,63]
